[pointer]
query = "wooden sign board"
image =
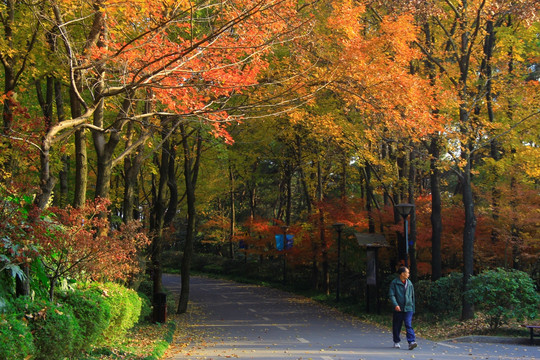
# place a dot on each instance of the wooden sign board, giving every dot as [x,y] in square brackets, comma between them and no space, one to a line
[371,240]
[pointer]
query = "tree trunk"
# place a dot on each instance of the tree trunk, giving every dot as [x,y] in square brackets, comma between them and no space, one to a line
[436,218]
[322,232]
[191,171]
[81,158]
[435,175]
[399,195]
[105,149]
[62,198]
[343,182]
[495,145]
[465,182]
[232,213]
[252,191]
[7,111]
[132,166]
[172,206]
[412,223]
[467,311]
[288,187]
[465,172]
[47,180]
[10,80]
[370,199]
[516,238]
[305,188]
[81,169]
[468,238]
[158,212]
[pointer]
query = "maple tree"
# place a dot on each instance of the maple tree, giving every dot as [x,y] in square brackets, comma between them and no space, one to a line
[165,59]
[65,243]
[72,244]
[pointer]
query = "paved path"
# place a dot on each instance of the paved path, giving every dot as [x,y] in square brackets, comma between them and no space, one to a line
[250,322]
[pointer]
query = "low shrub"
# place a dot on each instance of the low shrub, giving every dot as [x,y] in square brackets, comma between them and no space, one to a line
[146,287]
[172,259]
[125,305]
[446,294]
[17,341]
[6,289]
[213,269]
[54,327]
[441,297]
[146,307]
[503,294]
[422,291]
[145,290]
[208,263]
[93,314]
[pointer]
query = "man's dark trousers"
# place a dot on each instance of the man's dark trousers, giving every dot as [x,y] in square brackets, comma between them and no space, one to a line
[399,318]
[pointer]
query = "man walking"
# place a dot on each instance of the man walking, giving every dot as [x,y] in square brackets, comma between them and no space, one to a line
[401,295]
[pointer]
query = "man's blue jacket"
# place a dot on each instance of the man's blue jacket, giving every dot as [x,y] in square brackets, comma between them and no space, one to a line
[402,295]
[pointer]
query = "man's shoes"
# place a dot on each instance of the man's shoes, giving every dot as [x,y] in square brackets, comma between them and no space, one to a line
[397,346]
[412,345]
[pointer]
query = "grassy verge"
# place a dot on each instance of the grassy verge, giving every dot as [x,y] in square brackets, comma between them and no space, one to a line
[145,341]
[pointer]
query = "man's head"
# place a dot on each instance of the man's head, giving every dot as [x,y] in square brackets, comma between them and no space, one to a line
[403,273]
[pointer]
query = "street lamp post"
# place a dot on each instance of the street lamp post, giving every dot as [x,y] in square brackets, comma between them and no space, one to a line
[284,228]
[405,210]
[339,229]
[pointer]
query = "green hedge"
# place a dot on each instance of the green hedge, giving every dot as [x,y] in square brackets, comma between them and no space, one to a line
[93,315]
[125,306]
[70,326]
[55,329]
[17,341]
[441,297]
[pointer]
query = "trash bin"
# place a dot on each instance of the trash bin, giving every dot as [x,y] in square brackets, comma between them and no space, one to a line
[160,307]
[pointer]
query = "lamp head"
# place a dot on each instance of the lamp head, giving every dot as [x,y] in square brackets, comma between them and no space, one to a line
[338,226]
[404,209]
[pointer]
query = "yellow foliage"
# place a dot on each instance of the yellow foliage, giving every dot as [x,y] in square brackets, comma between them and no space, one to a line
[530,159]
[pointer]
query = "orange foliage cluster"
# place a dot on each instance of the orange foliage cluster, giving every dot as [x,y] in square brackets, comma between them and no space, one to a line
[79,242]
[258,235]
[492,249]
[190,71]
[373,72]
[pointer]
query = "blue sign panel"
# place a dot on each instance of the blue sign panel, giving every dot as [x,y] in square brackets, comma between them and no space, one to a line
[284,245]
[289,242]
[279,242]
